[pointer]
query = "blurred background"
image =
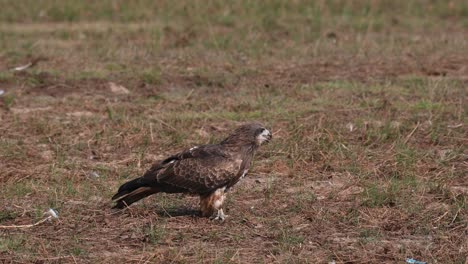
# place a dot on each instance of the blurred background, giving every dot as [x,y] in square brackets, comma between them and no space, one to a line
[112,36]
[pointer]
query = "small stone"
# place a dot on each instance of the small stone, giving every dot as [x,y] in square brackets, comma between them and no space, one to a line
[47,155]
[118,89]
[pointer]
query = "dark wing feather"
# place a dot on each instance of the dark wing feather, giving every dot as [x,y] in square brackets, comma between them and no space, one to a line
[199,170]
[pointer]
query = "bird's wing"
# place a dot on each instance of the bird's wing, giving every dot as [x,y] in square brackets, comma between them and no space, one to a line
[199,170]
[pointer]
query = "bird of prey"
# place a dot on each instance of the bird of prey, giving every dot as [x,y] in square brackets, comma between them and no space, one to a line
[208,171]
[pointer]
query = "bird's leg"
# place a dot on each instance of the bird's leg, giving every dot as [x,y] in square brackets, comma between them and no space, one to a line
[220,215]
[218,205]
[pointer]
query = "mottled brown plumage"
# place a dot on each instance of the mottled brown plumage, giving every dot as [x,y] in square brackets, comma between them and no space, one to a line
[208,170]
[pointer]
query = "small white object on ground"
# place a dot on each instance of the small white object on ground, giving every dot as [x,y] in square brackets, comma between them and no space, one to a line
[51,213]
[449,126]
[23,67]
[1,92]
[93,174]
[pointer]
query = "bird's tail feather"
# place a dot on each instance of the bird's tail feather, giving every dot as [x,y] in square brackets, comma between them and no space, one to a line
[132,191]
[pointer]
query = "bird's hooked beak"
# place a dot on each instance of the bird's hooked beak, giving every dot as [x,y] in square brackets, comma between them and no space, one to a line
[269,137]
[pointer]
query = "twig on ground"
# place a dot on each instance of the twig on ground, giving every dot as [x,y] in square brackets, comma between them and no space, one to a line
[51,214]
[411,133]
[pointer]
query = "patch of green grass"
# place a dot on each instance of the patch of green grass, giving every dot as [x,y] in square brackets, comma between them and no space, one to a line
[369,235]
[7,215]
[8,100]
[18,189]
[41,126]
[461,205]
[35,80]
[90,74]
[11,149]
[167,202]
[6,76]
[69,189]
[376,196]
[406,157]
[151,76]
[427,105]
[303,201]
[379,132]
[155,233]
[395,193]
[114,114]
[352,216]
[78,251]
[114,67]
[61,156]
[11,243]
[226,256]
[263,14]
[288,238]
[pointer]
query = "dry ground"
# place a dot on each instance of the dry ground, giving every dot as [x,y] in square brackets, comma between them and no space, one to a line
[367,101]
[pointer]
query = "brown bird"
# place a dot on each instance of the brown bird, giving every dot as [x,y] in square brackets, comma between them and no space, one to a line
[208,171]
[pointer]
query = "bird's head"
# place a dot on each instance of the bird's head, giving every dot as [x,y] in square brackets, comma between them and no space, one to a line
[249,134]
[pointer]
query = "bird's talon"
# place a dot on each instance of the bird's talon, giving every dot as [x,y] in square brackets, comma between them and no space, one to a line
[220,216]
